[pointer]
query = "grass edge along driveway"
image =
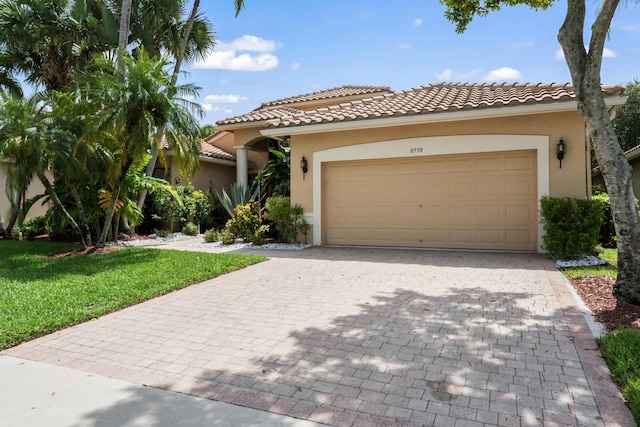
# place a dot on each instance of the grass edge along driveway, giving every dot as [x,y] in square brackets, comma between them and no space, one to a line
[620,348]
[40,294]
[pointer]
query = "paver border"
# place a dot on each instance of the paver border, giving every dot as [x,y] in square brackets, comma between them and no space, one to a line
[608,397]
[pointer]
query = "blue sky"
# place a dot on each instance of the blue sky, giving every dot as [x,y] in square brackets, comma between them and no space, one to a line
[280,48]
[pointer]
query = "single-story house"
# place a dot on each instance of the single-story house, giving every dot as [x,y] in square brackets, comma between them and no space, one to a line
[448,165]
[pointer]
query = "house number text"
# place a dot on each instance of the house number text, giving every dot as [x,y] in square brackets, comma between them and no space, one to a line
[415,150]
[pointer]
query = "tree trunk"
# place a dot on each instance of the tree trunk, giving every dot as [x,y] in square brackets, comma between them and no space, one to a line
[84,224]
[15,210]
[174,79]
[109,217]
[57,203]
[123,33]
[585,70]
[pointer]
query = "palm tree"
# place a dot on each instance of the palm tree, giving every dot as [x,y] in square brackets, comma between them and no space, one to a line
[193,44]
[132,100]
[23,139]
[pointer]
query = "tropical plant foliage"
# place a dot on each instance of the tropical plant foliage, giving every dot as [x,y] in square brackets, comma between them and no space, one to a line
[87,134]
[275,177]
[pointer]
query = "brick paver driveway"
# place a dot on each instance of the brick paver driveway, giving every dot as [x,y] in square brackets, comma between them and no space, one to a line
[364,337]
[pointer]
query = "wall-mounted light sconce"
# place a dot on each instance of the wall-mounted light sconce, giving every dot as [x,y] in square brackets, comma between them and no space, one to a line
[561,149]
[304,166]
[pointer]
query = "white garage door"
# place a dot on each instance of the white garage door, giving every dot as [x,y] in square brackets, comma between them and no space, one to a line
[474,201]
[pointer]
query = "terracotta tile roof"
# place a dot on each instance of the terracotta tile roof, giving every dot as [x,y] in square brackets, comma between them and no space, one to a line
[211,150]
[259,115]
[437,98]
[433,98]
[336,92]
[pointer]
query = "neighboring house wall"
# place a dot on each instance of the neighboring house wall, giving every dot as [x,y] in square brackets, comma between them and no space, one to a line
[210,176]
[447,138]
[635,163]
[5,205]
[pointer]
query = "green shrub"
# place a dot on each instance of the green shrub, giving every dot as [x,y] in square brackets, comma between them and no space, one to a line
[621,351]
[287,219]
[571,226]
[227,237]
[608,230]
[161,232]
[607,235]
[34,227]
[190,229]
[194,206]
[247,223]
[16,233]
[212,236]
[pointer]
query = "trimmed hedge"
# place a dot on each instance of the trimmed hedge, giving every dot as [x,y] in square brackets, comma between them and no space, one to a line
[608,229]
[572,226]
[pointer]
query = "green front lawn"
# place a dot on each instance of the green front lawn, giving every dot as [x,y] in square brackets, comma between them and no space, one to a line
[609,270]
[39,295]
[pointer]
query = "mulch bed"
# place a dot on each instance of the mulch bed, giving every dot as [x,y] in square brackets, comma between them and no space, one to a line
[85,251]
[597,294]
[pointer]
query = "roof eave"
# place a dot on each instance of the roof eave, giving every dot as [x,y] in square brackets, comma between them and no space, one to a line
[246,125]
[217,161]
[446,116]
[633,155]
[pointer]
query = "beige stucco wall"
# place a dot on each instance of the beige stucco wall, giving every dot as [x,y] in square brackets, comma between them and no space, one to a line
[635,164]
[573,180]
[210,176]
[570,181]
[257,155]
[35,188]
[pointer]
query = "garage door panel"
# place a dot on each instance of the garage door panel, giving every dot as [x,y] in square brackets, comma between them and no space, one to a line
[489,164]
[434,166]
[488,213]
[460,189]
[489,237]
[460,166]
[519,187]
[517,213]
[461,236]
[518,163]
[486,201]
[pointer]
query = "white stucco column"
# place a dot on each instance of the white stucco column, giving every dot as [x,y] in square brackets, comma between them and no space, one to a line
[242,171]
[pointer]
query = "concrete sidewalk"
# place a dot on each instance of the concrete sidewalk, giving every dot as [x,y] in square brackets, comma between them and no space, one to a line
[40,394]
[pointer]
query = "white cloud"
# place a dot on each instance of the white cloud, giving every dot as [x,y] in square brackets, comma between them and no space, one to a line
[224,82]
[224,99]
[503,74]
[404,46]
[229,56]
[451,75]
[417,22]
[295,66]
[210,102]
[559,56]
[250,43]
